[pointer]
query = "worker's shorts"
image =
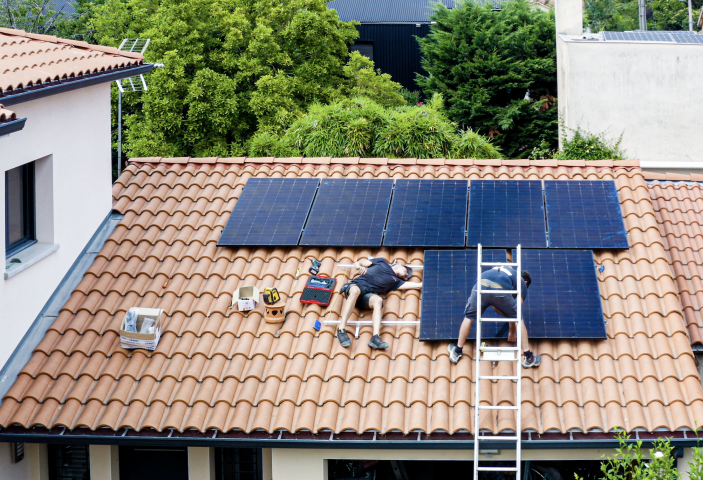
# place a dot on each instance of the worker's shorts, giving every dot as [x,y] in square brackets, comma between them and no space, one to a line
[362,303]
[505,305]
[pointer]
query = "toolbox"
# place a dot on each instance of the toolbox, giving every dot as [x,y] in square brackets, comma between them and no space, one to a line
[318,290]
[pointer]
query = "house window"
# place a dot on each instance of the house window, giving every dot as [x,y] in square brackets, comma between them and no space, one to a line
[69,462]
[20,211]
[364,48]
[238,464]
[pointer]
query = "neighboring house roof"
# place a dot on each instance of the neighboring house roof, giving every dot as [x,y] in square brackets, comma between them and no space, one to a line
[392,11]
[678,204]
[31,60]
[6,115]
[217,369]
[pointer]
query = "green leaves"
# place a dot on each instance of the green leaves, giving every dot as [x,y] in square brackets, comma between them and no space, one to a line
[493,69]
[231,67]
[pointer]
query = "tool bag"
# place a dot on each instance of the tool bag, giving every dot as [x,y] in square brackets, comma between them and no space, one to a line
[318,290]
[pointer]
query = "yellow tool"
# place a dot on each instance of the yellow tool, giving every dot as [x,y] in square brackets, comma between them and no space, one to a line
[271,295]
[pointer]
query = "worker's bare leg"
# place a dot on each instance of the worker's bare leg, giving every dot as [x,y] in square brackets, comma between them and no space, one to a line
[525,339]
[464,331]
[354,293]
[376,303]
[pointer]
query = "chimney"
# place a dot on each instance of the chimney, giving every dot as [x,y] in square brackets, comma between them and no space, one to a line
[569,16]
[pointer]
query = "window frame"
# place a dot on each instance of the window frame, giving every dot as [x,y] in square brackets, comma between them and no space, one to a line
[29,203]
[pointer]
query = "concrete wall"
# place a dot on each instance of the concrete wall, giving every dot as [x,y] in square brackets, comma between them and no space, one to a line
[648,92]
[70,134]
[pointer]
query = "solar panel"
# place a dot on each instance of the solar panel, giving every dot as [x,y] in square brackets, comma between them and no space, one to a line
[448,277]
[584,214]
[688,38]
[505,213]
[270,211]
[349,212]
[563,300]
[638,36]
[427,213]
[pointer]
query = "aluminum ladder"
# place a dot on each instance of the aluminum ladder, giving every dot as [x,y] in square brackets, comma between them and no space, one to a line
[495,354]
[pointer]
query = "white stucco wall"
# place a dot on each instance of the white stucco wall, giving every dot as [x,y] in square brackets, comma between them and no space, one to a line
[649,92]
[71,133]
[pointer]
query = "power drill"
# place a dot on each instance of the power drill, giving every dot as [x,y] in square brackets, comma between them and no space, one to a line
[315,268]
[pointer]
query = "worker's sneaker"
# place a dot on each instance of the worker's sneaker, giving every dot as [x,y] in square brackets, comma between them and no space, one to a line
[343,338]
[532,362]
[376,342]
[455,353]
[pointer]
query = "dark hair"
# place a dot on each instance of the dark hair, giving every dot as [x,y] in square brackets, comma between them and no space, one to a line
[527,277]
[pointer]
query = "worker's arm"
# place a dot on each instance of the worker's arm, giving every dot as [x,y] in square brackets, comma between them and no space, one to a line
[362,265]
[411,286]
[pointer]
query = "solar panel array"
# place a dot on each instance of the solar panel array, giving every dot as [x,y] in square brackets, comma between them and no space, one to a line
[583,214]
[348,212]
[448,277]
[653,36]
[427,214]
[505,213]
[270,211]
[563,300]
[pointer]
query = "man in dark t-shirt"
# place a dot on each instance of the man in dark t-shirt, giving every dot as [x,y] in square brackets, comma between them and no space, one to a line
[376,277]
[497,278]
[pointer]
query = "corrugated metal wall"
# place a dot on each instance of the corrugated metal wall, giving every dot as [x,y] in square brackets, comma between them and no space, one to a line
[395,50]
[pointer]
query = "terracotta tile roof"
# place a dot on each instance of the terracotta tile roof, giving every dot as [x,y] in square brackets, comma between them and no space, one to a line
[218,369]
[28,59]
[6,115]
[678,206]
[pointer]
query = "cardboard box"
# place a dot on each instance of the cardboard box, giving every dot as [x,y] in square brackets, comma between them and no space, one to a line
[148,341]
[246,298]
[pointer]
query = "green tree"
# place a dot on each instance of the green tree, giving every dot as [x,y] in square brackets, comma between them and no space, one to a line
[361,80]
[496,70]
[672,14]
[230,67]
[611,15]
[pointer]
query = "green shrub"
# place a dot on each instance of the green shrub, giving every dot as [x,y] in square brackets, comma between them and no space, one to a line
[361,80]
[473,145]
[582,145]
[269,144]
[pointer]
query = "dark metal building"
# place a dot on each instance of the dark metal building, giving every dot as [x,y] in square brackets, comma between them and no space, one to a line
[388,30]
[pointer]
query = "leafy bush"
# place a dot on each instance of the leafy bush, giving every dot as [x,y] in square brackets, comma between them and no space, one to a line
[473,145]
[361,80]
[496,70]
[361,127]
[582,145]
[411,98]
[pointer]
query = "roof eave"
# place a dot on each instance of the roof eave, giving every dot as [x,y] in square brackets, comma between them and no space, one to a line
[34,93]
[12,126]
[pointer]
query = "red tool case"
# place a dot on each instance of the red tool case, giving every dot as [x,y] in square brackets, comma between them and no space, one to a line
[318,290]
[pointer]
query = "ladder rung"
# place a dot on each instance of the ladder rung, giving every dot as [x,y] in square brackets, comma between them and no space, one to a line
[497,264]
[496,469]
[497,407]
[497,439]
[508,320]
[498,377]
[499,349]
[499,359]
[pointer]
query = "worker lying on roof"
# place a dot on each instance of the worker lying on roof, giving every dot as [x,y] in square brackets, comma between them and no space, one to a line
[497,278]
[376,277]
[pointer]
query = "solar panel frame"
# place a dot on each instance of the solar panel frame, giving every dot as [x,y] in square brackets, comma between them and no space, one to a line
[584,214]
[506,213]
[448,277]
[654,36]
[348,212]
[564,298]
[692,39]
[270,211]
[427,213]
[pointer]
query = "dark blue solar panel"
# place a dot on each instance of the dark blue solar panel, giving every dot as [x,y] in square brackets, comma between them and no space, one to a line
[349,212]
[270,211]
[448,277]
[506,213]
[583,214]
[427,213]
[564,299]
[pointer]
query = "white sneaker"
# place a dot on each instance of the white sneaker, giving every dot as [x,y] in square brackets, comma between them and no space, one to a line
[454,353]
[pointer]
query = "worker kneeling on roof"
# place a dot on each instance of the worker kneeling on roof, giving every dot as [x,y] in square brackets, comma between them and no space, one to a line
[376,277]
[497,278]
